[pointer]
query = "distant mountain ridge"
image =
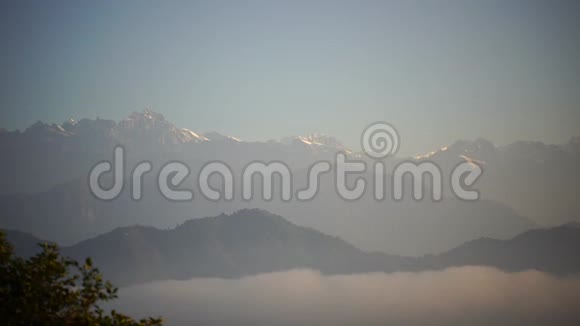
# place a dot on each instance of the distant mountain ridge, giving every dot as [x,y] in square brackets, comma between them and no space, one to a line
[69,150]
[45,169]
[538,180]
[254,241]
[146,125]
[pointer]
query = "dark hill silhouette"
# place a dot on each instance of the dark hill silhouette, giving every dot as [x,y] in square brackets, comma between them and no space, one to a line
[25,245]
[244,243]
[255,241]
[553,250]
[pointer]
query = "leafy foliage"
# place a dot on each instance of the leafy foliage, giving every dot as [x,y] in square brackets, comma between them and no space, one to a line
[49,289]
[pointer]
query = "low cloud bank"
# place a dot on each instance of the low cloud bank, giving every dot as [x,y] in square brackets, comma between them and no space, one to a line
[459,296]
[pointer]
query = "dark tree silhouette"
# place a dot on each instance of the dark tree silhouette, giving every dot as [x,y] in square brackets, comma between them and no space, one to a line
[48,289]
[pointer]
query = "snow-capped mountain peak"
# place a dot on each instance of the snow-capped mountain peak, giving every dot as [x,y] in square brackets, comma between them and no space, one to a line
[477,150]
[216,136]
[315,140]
[146,119]
[192,135]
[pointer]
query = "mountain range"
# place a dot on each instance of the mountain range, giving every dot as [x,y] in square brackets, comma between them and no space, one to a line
[44,185]
[539,181]
[254,241]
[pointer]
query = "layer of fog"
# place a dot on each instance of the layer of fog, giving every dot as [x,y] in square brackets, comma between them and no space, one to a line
[459,296]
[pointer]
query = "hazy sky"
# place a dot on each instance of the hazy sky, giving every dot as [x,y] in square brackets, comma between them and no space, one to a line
[437,70]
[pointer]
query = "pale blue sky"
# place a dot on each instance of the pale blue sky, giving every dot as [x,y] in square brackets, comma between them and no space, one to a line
[437,70]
